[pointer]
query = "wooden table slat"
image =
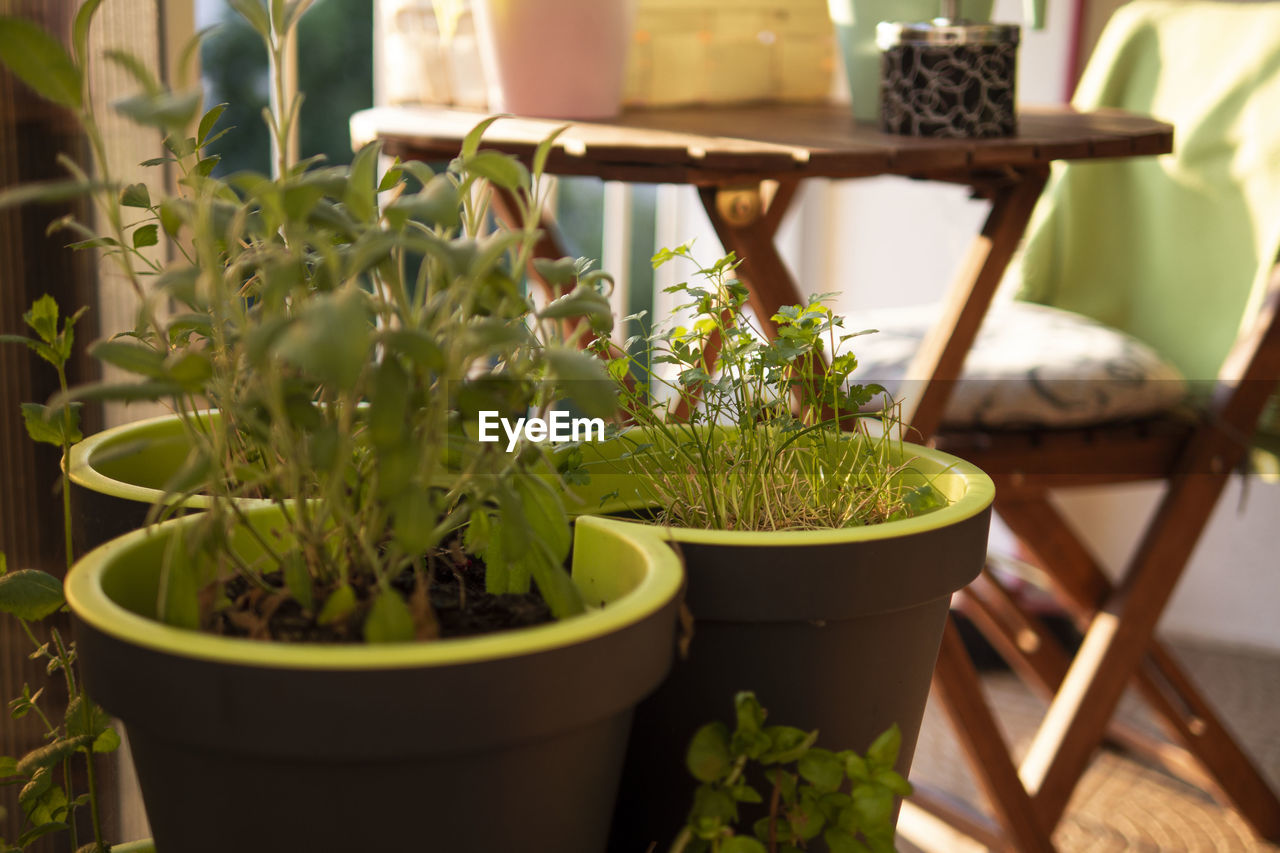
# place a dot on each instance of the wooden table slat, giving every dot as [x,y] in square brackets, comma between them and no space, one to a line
[711,144]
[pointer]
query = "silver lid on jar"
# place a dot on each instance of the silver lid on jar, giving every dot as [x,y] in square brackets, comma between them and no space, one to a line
[944,31]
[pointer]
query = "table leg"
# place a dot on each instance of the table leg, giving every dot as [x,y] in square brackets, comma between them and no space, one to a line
[746,223]
[550,245]
[942,353]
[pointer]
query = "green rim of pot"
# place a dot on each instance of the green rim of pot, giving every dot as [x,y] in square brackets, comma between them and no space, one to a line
[970,490]
[90,459]
[660,582]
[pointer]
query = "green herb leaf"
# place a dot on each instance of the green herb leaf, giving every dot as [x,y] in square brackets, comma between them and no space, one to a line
[41,782]
[47,425]
[44,192]
[543,151]
[136,195]
[39,60]
[130,357]
[146,235]
[49,755]
[708,757]
[544,512]
[298,581]
[556,272]
[338,605]
[822,769]
[583,301]
[167,111]
[789,744]
[712,810]
[207,123]
[42,318]
[855,767]
[389,404]
[361,191]
[80,30]
[190,368]
[29,594]
[840,841]
[136,69]
[415,520]
[436,204]
[389,619]
[84,718]
[501,170]
[553,581]
[873,806]
[583,378]
[471,142]
[883,752]
[108,741]
[330,338]
[255,13]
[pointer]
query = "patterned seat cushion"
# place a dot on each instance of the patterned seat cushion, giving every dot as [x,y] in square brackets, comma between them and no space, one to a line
[1031,366]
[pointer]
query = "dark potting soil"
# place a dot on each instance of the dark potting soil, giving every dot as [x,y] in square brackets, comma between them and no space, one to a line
[459,607]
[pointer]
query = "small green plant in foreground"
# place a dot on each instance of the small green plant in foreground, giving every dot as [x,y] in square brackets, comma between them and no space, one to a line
[769,439]
[804,791]
[47,797]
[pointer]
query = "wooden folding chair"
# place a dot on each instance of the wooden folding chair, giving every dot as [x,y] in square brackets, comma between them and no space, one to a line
[1184,253]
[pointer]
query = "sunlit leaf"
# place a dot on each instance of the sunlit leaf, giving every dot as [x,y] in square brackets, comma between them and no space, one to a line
[39,60]
[30,594]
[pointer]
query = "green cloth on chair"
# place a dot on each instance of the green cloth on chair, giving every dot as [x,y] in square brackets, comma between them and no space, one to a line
[1174,250]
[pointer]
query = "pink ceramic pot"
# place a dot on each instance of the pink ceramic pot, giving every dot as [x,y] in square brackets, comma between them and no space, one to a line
[555,58]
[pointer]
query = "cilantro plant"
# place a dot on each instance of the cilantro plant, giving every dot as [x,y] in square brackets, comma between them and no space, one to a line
[47,796]
[769,439]
[348,323]
[805,792]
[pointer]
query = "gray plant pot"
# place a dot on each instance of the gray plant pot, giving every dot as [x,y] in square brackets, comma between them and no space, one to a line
[505,742]
[835,630]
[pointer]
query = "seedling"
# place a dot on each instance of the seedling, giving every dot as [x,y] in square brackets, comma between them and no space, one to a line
[804,791]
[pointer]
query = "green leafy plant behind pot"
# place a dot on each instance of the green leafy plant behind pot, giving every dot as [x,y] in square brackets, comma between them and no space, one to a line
[800,791]
[45,778]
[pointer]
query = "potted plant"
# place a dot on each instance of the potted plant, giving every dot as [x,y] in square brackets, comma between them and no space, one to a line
[799,791]
[76,732]
[555,58]
[821,553]
[348,323]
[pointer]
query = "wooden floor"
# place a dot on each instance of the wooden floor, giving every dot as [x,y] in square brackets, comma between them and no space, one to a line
[1122,805]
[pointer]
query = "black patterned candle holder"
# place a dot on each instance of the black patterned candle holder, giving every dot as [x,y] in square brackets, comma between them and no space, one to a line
[948,78]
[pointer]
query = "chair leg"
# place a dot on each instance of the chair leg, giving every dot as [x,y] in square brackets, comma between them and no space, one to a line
[1022,641]
[1035,654]
[1115,644]
[956,684]
[1213,757]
